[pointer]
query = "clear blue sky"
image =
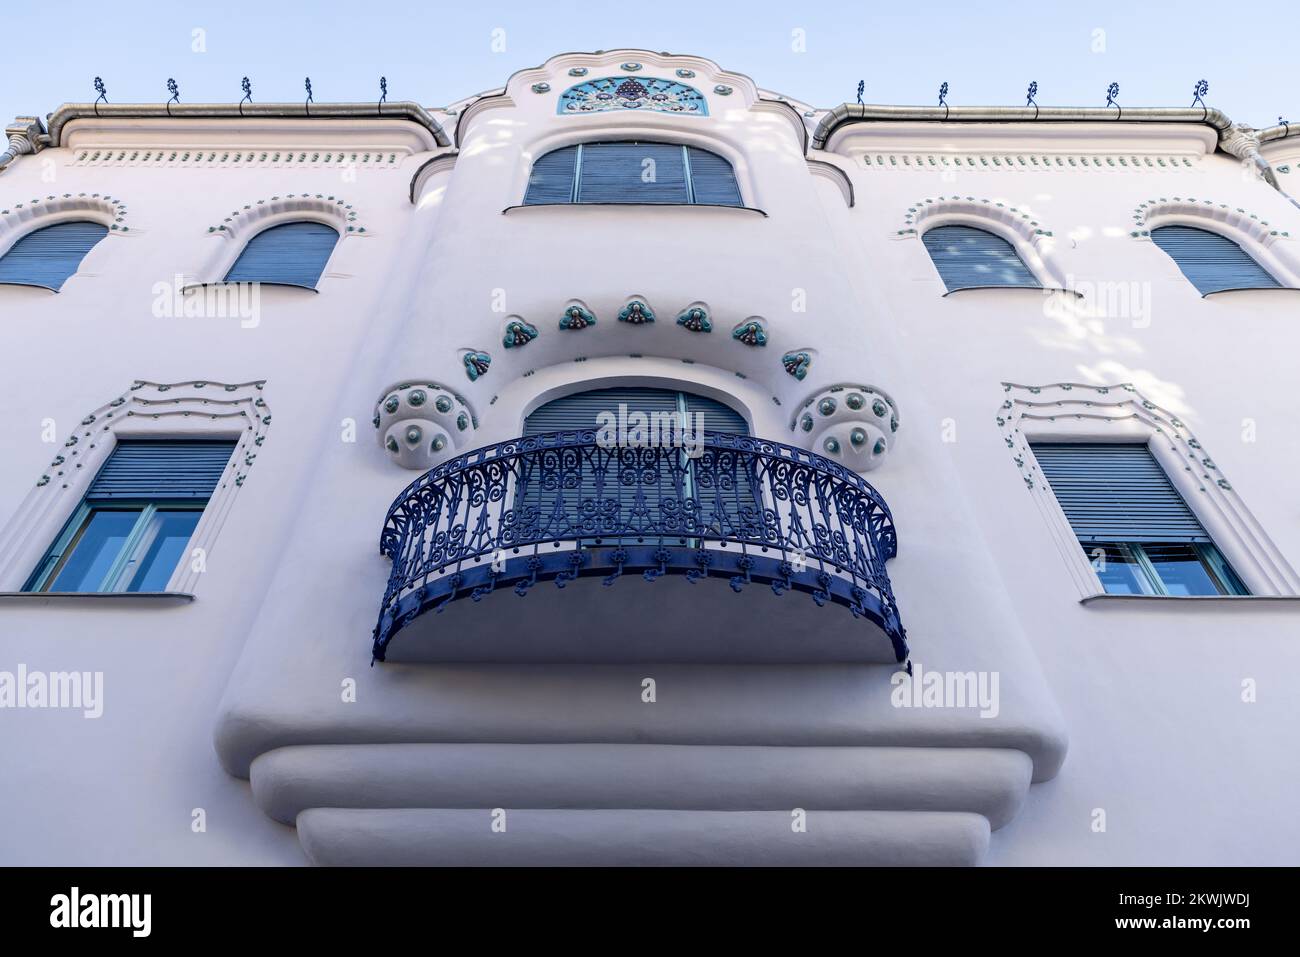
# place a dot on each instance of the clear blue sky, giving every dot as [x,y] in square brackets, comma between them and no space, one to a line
[436,52]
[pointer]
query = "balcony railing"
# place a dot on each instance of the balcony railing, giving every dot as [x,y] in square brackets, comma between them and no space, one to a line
[561,506]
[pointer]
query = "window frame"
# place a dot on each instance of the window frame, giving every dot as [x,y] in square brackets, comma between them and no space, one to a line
[52,222]
[1119,413]
[632,138]
[65,545]
[289,219]
[1226,581]
[1279,282]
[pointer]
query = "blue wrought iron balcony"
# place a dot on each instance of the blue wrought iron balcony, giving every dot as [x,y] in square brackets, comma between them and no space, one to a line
[637,543]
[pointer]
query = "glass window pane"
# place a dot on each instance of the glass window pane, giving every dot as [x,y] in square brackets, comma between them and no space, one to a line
[160,549]
[1117,569]
[94,549]
[1181,570]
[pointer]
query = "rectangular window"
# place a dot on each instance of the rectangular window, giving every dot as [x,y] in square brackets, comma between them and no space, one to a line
[131,530]
[1138,532]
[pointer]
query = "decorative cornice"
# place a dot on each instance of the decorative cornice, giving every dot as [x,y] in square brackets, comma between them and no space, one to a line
[992,162]
[235,158]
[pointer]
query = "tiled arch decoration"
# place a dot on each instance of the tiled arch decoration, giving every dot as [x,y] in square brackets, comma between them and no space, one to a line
[1153,213]
[1091,413]
[20,218]
[195,409]
[647,94]
[1017,220]
[241,223]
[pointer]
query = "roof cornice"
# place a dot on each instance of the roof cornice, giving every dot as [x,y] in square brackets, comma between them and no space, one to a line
[849,113]
[402,110]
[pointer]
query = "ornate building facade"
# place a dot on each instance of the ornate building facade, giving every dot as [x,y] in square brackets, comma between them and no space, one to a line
[663,470]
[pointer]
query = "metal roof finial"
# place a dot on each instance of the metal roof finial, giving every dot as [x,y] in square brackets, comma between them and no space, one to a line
[1112,92]
[174,90]
[248,94]
[943,97]
[383,92]
[1198,91]
[862,86]
[103,94]
[1029,96]
[310,100]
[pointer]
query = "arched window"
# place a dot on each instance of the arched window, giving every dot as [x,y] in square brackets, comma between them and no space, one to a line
[292,254]
[967,258]
[1211,262]
[48,257]
[596,484]
[632,172]
[582,410]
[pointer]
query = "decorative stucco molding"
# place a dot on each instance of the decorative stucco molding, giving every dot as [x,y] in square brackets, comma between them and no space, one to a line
[926,211]
[1073,411]
[237,158]
[336,212]
[852,424]
[421,424]
[199,409]
[24,217]
[972,162]
[1159,212]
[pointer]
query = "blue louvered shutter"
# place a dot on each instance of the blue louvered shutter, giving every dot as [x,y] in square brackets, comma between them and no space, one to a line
[717,417]
[161,471]
[581,411]
[1212,263]
[47,257]
[1116,493]
[293,254]
[618,173]
[713,181]
[967,257]
[552,176]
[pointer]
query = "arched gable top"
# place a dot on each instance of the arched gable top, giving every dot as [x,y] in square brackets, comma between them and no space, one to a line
[647,94]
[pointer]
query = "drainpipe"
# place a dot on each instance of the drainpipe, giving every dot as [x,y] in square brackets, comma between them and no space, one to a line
[1243,143]
[1280,132]
[24,135]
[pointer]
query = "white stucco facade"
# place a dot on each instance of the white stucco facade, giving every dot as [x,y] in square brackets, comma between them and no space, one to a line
[1143,730]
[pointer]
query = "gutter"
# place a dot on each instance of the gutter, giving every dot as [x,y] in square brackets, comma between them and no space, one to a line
[411,112]
[1236,140]
[847,113]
